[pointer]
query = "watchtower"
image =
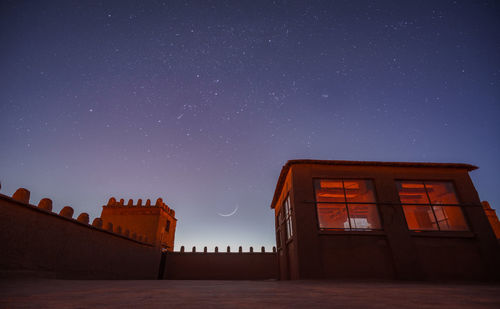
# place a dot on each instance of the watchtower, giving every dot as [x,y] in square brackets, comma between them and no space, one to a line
[157,222]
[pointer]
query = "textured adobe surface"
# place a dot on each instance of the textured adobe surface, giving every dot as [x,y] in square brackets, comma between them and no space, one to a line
[221,266]
[156,222]
[39,243]
[244,294]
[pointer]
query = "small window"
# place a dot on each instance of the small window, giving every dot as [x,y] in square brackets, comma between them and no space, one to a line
[346,204]
[431,206]
[279,226]
[167,227]
[278,237]
[288,217]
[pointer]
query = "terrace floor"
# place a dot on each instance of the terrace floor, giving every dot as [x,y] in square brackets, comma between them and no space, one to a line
[46,293]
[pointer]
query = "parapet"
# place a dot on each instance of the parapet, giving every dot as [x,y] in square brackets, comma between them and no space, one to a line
[83,218]
[159,204]
[22,198]
[228,250]
[22,195]
[45,203]
[67,212]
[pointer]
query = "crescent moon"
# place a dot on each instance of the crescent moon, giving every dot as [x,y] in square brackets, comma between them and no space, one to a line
[229,214]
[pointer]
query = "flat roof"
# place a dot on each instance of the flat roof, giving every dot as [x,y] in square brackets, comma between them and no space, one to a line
[288,165]
[57,293]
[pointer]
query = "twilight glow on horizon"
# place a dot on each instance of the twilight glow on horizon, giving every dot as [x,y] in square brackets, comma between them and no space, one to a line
[202,102]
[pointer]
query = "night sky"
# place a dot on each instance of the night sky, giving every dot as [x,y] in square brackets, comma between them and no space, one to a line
[202,102]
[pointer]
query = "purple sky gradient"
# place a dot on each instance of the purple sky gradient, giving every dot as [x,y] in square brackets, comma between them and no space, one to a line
[201,103]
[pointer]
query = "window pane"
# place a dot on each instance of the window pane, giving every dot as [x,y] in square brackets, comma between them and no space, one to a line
[450,218]
[420,217]
[412,192]
[441,192]
[329,190]
[289,230]
[278,238]
[286,206]
[360,191]
[332,216]
[364,216]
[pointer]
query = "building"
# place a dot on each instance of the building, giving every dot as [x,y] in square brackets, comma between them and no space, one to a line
[389,220]
[334,220]
[156,222]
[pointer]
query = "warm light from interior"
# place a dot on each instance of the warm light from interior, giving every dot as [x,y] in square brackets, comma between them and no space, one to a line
[331,184]
[409,185]
[429,215]
[338,208]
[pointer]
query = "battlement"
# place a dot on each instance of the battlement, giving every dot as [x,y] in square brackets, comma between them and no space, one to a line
[157,221]
[113,203]
[228,250]
[220,265]
[22,197]
[36,241]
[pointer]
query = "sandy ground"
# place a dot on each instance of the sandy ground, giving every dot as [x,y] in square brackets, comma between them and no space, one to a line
[44,293]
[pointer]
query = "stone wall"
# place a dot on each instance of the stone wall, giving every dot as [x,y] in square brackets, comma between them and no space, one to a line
[221,265]
[34,241]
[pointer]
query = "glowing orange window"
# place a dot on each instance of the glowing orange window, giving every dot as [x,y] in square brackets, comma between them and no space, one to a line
[346,204]
[431,206]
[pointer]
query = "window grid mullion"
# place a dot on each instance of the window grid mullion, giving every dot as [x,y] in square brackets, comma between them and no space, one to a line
[346,206]
[431,205]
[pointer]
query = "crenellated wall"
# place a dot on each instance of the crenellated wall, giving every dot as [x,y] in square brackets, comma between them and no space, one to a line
[156,221]
[224,265]
[112,202]
[34,241]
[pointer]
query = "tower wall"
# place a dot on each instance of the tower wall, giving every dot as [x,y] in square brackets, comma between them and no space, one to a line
[150,220]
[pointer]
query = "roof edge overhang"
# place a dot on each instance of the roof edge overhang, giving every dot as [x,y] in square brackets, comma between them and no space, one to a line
[290,163]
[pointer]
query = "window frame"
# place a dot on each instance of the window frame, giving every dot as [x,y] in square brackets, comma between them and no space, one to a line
[279,224]
[350,230]
[287,218]
[282,225]
[431,206]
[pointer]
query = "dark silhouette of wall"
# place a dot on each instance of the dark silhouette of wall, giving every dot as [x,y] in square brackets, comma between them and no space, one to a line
[360,257]
[220,266]
[37,242]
